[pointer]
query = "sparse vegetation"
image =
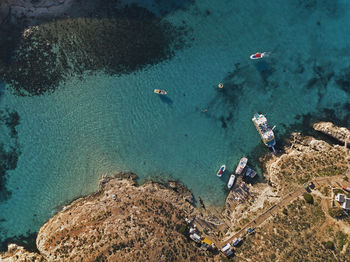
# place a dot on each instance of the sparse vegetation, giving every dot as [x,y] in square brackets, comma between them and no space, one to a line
[335,212]
[330,245]
[308,198]
[296,237]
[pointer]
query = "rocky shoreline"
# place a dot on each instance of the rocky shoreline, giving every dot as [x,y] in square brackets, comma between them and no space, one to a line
[123,220]
[341,134]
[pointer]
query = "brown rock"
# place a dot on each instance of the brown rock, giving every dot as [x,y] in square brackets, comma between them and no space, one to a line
[340,133]
[121,222]
[19,254]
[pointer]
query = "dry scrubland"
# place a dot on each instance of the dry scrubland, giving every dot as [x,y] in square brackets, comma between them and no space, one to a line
[142,223]
[305,159]
[301,232]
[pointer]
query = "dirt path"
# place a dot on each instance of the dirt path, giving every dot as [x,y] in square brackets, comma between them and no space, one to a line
[331,181]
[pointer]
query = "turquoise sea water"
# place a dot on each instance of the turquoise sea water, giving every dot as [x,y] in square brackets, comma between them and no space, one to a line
[101,124]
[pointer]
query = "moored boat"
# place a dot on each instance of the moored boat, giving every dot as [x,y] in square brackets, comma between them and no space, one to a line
[221,171]
[241,165]
[159,92]
[257,55]
[263,128]
[250,173]
[231,181]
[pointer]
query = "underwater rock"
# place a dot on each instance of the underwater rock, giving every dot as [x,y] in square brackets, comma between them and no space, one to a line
[130,39]
[9,152]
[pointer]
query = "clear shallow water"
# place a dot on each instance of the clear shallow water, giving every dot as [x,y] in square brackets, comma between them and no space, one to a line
[103,124]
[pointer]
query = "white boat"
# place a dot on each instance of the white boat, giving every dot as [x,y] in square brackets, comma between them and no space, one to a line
[250,173]
[221,171]
[241,165]
[257,55]
[159,92]
[231,181]
[266,133]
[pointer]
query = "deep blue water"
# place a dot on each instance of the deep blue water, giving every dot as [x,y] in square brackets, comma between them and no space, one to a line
[98,124]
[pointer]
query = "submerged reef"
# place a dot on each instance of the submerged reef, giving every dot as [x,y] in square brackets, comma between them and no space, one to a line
[126,40]
[10,151]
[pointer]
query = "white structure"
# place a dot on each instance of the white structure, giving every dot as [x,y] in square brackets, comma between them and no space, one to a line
[343,201]
[346,204]
[195,237]
[340,198]
[227,250]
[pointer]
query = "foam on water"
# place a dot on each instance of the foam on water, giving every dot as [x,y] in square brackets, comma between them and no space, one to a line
[103,124]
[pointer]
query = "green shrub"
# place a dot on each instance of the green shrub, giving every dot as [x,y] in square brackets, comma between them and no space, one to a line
[338,191]
[335,212]
[308,198]
[341,239]
[182,229]
[330,245]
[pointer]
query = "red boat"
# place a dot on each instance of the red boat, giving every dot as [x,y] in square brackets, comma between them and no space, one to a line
[257,55]
[221,171]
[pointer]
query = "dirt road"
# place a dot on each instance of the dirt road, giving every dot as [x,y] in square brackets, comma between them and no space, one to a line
[321,181]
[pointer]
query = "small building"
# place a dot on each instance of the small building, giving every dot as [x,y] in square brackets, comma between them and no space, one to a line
[236,241]
[206,243]
[346,204]
[250,230]
[227,250]
[340,198]
[343,201]
[195,237]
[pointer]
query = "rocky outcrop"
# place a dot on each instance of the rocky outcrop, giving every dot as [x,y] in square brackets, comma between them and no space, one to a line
[340,133]
[304,159]
[121,222]
[19,254]
[18,9]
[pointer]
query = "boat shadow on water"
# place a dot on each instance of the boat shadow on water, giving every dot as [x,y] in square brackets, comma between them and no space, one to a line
[166,100]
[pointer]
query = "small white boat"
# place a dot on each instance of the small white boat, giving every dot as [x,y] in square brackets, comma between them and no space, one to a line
[159,92]
[257,55]
[221,171]
[241,165]
[231,181]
